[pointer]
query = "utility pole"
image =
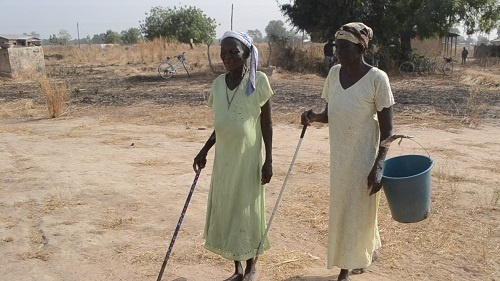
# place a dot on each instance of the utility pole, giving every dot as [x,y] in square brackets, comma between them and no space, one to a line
[78,34]
[231,16]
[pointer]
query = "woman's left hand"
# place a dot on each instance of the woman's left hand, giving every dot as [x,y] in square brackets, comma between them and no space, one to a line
[375,179]
[267,172]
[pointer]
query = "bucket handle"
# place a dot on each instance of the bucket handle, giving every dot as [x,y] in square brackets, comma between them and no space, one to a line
[387,142]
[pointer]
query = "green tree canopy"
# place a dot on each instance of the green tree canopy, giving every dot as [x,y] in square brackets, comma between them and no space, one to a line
[186,24]
[131,36]
[276,31]
[395,22]
[256,35]
[111,37]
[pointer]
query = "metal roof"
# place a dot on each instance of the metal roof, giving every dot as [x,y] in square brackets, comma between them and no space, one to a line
[18,37]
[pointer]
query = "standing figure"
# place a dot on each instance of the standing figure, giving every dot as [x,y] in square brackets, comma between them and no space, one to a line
[329,53]
[359,113]
[464,55]
[241,106]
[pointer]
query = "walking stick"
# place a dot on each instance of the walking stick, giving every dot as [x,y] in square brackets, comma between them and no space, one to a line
[280,194]
[178,224]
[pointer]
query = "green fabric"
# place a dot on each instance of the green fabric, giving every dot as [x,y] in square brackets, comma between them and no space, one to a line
[236,215]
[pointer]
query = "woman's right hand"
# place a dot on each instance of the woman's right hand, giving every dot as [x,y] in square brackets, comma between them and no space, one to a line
[304,118]
[200,160]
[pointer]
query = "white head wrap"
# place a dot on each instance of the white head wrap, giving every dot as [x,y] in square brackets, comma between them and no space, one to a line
[254,56]
[356,32]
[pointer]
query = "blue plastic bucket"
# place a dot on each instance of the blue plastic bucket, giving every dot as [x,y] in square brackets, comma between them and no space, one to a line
[407,186]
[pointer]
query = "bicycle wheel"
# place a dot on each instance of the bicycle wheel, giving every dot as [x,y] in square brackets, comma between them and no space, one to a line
[422,68]
[406,68]
[432,68]
[447,68]
[166,69]
[186,68]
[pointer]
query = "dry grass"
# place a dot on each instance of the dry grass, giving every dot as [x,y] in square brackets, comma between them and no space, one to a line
[474,110]
[55,95]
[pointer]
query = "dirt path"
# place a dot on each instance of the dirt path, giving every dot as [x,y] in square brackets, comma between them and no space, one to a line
[87,197]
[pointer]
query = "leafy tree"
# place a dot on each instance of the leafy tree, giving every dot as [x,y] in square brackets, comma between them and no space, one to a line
[395,22]
[64,37]
[53,39]
[276,31]
[482,40]
[111,37]
[256,35]
[131,36]
[87,40]
[186,24]
[98,38]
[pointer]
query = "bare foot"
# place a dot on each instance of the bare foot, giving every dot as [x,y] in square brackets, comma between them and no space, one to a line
[251,275]
[235,277]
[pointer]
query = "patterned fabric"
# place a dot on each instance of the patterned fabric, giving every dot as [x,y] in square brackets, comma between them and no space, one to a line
[254,56]
[236,207]
[356,32]
[354,138]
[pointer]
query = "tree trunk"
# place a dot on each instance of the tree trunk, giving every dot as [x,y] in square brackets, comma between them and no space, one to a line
[269,57]
[406,45]
[209,60]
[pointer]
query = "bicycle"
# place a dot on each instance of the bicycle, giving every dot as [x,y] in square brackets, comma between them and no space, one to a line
[416,63]
[445,68]
[167,67]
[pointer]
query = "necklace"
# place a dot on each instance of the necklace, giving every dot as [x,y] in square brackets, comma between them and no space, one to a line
[229,80]
[229,101]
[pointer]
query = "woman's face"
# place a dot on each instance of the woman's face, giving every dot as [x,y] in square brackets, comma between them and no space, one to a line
[347,52]
[233,54]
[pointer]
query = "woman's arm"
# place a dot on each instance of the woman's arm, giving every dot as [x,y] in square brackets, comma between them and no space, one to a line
[309,116]
[201,159]
[385,126]
[266,125]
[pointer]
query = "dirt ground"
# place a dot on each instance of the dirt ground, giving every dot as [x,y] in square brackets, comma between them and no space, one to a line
[96,193]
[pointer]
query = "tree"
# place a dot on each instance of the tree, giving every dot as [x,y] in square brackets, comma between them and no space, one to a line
[131,36]
[111,37]
[256,35]
[482,40]
[276,31]
[98,38]
[395,22]
[186,24]
[64,37]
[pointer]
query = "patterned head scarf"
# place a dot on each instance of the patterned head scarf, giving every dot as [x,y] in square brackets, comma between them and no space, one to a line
[254,56]
[356,32]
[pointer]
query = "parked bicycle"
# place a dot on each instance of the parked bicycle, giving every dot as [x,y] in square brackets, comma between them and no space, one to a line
[417,63]
[446,67]
[169,66]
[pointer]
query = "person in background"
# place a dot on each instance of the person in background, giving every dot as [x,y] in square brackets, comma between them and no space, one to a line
[329,53]
[465,53]
[241,106]
[358,110]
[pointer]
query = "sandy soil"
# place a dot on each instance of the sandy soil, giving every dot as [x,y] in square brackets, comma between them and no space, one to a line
[96,193]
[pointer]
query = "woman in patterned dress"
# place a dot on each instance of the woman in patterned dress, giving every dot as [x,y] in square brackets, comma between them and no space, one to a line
[359,113]
[241,106]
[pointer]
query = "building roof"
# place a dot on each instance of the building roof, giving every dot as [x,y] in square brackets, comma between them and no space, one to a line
[18,37]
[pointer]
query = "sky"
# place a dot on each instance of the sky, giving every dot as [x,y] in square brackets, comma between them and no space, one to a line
[47,17]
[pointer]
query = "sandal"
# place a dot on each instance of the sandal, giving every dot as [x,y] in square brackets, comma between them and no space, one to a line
[358,271]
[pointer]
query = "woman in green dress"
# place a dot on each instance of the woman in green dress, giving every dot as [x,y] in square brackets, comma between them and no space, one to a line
[241,106]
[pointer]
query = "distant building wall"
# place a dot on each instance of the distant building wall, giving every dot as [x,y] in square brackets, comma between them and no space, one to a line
[15,62]
[429,47]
